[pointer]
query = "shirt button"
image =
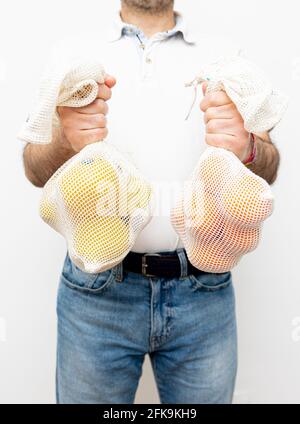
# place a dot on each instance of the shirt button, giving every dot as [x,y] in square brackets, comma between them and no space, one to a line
[148,60]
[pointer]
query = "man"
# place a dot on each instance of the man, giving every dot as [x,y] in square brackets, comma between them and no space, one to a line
[155,302]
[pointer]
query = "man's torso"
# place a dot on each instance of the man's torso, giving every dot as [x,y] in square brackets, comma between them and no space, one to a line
[148,110]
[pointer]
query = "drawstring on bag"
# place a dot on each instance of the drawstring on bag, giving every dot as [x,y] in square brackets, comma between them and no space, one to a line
[195,83]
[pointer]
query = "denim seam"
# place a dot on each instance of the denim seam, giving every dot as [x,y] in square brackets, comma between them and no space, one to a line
[91,282]
[56,379]
[91,277]
[168,312]
[71,285]
[158,382]
[152,347]
[198,285]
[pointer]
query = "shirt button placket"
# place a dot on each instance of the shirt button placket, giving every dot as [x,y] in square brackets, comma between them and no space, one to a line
[147,63]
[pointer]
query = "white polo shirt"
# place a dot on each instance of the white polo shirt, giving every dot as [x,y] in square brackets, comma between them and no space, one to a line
[149,105]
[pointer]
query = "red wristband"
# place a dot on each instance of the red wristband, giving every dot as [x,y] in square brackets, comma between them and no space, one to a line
[252,156]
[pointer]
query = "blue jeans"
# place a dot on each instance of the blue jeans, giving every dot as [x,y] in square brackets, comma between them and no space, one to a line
[107,323]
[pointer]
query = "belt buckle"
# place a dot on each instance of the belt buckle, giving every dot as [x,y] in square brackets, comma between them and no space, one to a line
[145,265]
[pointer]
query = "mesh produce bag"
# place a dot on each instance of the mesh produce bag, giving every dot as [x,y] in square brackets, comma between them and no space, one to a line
[220,212]
[97,200]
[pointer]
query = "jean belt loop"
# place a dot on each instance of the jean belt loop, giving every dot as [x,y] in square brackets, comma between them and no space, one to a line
[118,270]
[183,262]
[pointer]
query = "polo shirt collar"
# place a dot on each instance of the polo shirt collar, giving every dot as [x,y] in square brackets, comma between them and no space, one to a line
[118,26]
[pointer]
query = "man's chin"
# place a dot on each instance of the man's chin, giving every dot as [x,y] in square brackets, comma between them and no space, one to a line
[149,6]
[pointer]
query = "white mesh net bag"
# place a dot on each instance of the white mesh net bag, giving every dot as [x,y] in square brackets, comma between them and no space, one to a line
[97,200]
[220,212]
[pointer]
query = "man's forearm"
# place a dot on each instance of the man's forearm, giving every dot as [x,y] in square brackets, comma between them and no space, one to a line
[42,161]
[267,160]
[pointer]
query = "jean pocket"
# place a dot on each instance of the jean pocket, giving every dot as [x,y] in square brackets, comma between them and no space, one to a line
[74,278]
[210,281]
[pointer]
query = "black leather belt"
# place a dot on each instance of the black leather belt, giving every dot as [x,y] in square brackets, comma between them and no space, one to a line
[164,265]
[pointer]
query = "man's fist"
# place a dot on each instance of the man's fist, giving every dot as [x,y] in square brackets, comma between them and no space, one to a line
[86,125]
[224,124]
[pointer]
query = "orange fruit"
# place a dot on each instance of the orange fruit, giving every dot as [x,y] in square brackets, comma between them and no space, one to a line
[212,171]
[206,222]
[240,241]
[247,201]
[209,257]
[201,219]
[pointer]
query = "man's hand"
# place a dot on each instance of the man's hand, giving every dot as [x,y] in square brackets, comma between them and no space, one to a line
[225,128]
[86,125]
[224,124]
[79,127]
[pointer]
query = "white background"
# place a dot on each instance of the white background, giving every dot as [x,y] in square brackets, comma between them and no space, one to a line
[267,282]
